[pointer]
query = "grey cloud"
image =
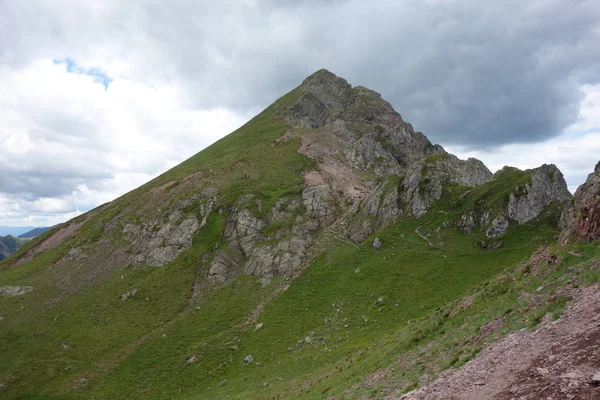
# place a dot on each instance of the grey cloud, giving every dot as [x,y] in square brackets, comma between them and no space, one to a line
[470,73]
[464,72]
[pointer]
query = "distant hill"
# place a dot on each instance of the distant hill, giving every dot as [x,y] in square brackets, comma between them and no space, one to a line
[15,230]
[34,232]
[8,245]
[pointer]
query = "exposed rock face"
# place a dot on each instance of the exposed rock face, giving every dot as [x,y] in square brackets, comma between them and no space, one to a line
[585,220]
[379,139]
[467,223]
[547,186]
[252,252]
[156,244]
[370,167]
[319,204]
[425,180]
[498,228]
[162,239]
[379,210]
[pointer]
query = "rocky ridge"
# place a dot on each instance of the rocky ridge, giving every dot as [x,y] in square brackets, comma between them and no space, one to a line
[371,167]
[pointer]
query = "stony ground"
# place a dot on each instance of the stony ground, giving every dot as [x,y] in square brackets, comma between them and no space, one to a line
[558,361]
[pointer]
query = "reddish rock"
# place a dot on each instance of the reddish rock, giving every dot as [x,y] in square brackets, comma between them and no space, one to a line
[587,208]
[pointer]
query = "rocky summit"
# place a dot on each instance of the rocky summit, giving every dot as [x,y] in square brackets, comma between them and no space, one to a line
[323,250]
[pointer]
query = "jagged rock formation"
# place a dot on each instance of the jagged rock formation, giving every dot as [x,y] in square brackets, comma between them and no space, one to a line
[378,138]
[532,192]
[582,221]
[426,179]
[547,186]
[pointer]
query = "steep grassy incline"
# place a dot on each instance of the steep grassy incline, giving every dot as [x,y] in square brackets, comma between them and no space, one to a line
[333,324]
[175,290]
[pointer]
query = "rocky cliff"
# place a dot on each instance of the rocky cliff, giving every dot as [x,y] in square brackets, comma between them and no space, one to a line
[582,221]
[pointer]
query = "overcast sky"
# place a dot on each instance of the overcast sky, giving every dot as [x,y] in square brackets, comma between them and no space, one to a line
[97,97]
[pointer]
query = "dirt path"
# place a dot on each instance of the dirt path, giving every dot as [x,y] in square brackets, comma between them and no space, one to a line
[555,362]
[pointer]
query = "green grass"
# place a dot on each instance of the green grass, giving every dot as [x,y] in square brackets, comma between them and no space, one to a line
[360,309]
[413,278]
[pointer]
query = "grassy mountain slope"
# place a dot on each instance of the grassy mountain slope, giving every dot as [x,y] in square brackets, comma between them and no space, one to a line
[99,324]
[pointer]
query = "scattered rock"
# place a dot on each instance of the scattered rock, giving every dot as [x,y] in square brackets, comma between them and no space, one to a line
[542,371]
[380,300]
[258,326]
[192,359]
[249,359]
[65,346]
[129,294]
[596,379]
[82,382]
[222,383]
[377,243]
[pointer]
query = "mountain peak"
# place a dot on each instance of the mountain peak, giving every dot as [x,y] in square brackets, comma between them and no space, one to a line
[324,77]
[360,116]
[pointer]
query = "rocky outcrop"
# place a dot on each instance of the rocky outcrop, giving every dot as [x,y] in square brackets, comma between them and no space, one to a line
[379,209]
[426,179]
[251,251]
[547,186]
[11,291]
[498,228]
[376,136]
[156,243]
[584,219]
[162,239]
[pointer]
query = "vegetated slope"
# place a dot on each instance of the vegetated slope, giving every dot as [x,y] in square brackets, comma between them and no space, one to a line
[34,232]
[251,270]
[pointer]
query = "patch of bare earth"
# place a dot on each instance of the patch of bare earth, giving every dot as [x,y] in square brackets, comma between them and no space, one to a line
[556,362]
[327,150]
[54,239]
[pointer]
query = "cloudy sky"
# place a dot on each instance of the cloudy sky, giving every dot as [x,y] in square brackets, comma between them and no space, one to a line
[97,97]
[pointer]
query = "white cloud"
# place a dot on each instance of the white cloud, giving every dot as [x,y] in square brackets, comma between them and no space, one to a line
[186,73]
[70,144]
